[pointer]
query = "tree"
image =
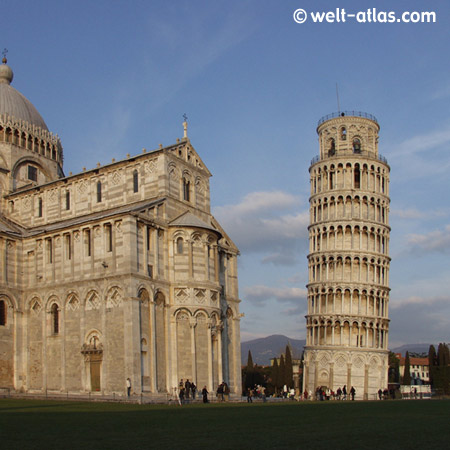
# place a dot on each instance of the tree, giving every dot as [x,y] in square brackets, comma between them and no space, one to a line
[432,361]
[442,369]
[289,378]
[275,375]
[282,372]
[406,373]
[394,370]
[250,364]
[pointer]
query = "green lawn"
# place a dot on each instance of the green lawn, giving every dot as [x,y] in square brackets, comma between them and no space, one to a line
[33,424]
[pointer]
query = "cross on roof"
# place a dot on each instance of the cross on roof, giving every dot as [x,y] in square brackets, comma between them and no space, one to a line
[185,117]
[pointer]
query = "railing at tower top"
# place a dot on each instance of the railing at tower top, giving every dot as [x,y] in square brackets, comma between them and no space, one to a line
[341,153]
[347,113]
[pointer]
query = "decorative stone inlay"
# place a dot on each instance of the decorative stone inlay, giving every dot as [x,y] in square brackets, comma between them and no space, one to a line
[73,304]
[181,295]
[116,178]
[114,300]
[27,204]
[323,361]
[374,362]
[150,166]
[82,187]
[93,302]
[36,307]
[200,295]
[340,362]
[182,317]
[214,296]
[358,362]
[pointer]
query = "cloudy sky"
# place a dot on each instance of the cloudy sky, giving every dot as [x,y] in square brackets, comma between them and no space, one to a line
[113,77]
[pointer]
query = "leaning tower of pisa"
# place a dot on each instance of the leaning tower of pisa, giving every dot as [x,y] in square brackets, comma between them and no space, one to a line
[348,291]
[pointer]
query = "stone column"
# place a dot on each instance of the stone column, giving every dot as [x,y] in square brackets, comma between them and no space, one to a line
[193,324]
[190,257]
[210,362]
[219,352]
[153,361]
[366,382]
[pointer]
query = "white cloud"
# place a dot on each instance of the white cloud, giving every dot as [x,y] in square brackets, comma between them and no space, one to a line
[434,241]
[269,223]
[409,213]
[261,293]
[257,202]
[420,143]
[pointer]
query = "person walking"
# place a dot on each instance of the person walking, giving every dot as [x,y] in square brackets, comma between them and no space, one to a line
[249,395]
[187,388]
[205,394]
[353,392]
[128,387]
[181,396]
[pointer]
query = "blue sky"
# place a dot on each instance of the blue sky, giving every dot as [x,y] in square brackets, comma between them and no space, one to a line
[113,77]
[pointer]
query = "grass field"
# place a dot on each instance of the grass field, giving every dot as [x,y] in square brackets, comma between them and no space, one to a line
[34,424]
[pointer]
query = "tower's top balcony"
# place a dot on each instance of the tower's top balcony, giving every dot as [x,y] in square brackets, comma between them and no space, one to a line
[348,133]
[347,113]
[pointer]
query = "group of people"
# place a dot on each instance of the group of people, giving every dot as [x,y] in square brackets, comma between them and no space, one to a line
[223,392]
[257,391]
[324,393]
[187,390]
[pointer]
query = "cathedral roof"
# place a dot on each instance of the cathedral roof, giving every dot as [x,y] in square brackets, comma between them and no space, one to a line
[13,104]
[188,219]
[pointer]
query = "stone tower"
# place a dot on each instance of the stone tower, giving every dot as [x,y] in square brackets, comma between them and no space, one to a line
[348,291]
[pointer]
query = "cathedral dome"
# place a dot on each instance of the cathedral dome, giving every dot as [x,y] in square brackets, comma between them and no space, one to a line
[13,103]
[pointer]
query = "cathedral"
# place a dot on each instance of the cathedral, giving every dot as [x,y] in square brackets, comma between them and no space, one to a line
[113,273]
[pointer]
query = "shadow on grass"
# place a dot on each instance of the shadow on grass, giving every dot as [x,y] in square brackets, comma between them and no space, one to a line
[324,425]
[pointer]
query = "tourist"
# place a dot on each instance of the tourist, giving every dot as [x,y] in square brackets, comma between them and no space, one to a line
[380,393]
[339,393]
[353,392]
[187,387]
[226,391]
[181,396]
[193,390]
[220,392]
[344,392]
[205,394]
[249,395]
[128,387]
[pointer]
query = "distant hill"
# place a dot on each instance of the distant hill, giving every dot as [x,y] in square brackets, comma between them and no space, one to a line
[263,349]
[415,348]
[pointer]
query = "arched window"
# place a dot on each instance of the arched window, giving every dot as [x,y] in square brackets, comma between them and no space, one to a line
[99,191]
[2,312]
[180,246]
[135,181]
[356,145]
[55,318]
[343,134]
[332,147]
[186,190]
[357,174]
